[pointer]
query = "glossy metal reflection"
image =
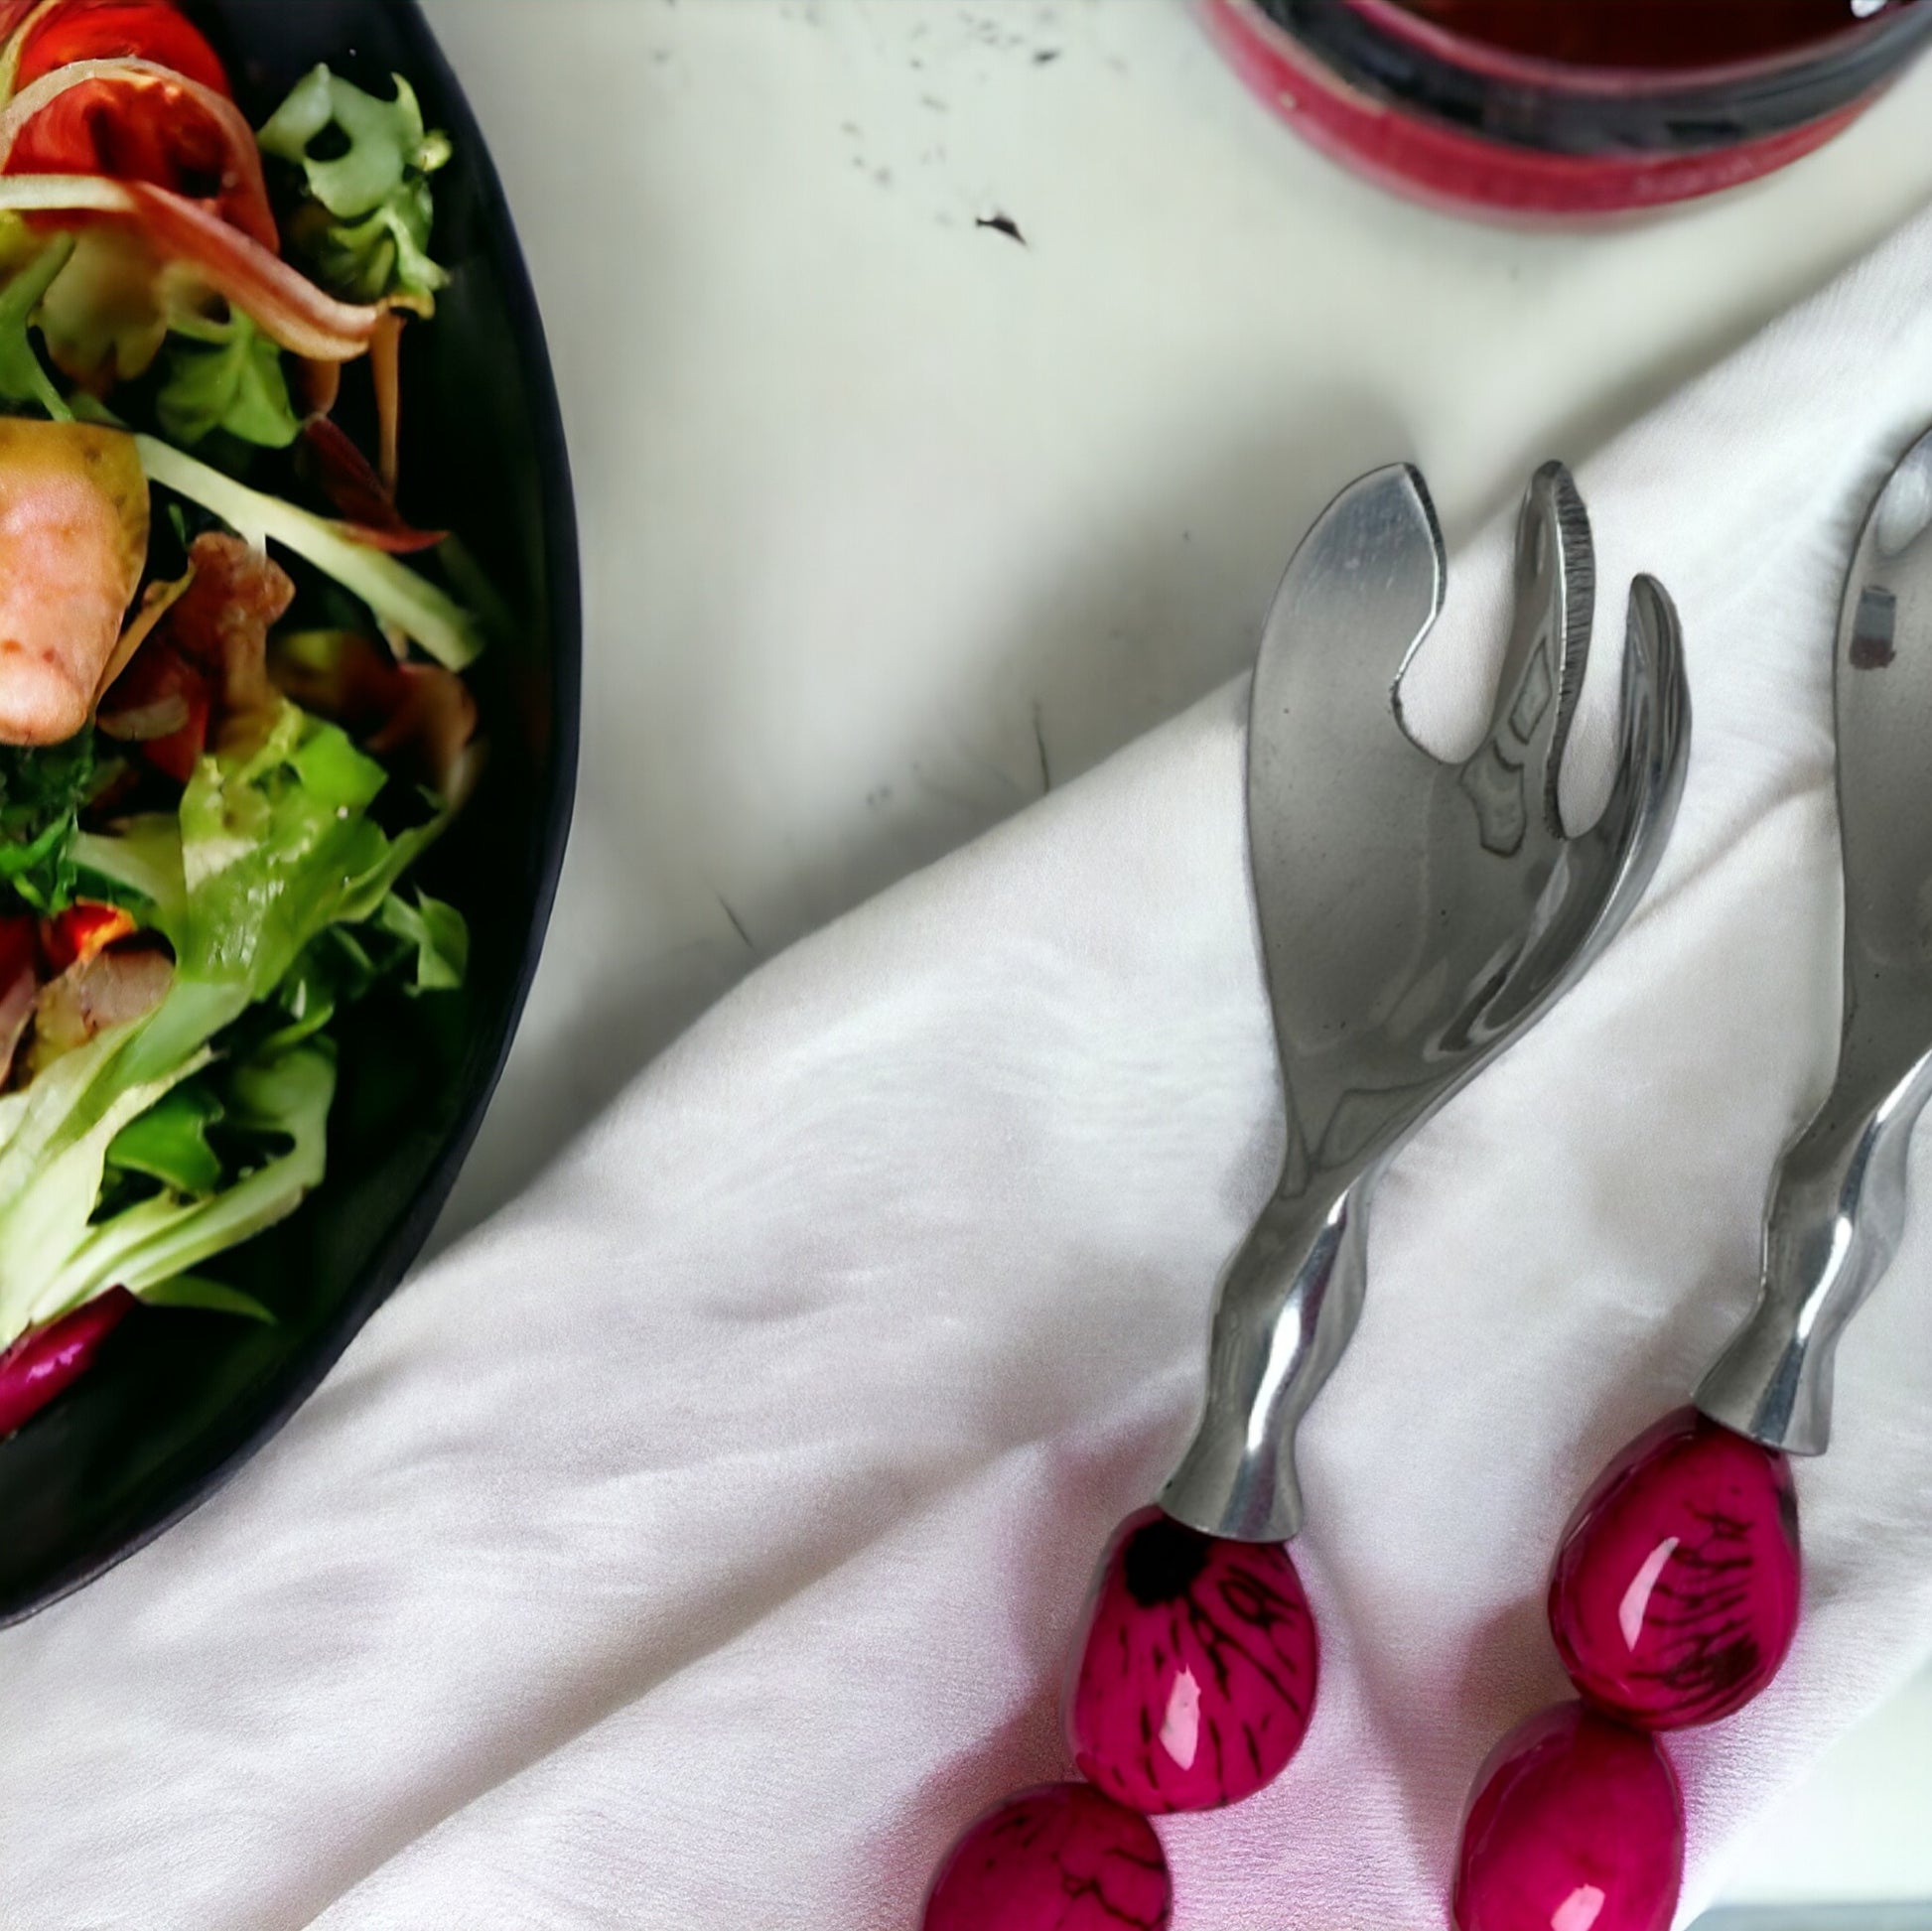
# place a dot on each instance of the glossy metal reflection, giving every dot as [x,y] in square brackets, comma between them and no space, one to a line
[1838,1204]
[1416,916]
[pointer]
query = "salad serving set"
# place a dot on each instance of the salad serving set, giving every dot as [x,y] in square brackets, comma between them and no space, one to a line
[213,824]
[1417,918]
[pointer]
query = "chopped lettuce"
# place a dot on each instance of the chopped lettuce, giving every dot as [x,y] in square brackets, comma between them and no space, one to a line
[270,848]
[131,1154]
[273,847]
[225,375]
[151,1244]
[400,597]
[367,226]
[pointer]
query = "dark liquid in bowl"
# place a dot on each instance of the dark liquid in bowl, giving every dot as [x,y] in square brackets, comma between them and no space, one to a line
[1652,34]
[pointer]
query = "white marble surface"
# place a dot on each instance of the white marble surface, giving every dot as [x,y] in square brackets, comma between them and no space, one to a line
[889,519]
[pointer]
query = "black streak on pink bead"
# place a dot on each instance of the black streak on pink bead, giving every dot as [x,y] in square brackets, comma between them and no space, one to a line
[1674,1594]
[1195,1676]
[1061,1858]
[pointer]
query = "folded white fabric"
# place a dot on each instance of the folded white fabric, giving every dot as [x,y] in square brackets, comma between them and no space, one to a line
[698,1544]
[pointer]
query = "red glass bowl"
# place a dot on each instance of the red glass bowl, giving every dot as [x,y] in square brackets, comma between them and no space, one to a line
[1483,124]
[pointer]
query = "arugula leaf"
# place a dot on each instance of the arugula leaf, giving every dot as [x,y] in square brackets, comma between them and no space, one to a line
[22,375]
[232,380]
[366,228]
[435,933]
[43,790]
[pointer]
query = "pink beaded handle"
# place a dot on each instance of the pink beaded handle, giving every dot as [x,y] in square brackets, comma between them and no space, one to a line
[1192,1685]
[1387,883]
[1673,1601]
[1675,1592]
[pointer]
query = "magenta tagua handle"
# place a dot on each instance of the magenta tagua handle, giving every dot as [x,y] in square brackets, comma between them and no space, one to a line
[1675,1592]
[1576,1825]
[1061,1858]
[1195,1679]
[1673,1600]
[1192,1687]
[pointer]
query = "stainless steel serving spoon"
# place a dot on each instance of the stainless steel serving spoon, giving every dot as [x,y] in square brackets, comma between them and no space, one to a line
[1416,916]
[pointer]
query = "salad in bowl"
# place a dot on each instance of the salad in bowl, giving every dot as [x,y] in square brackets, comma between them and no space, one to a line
[233,710]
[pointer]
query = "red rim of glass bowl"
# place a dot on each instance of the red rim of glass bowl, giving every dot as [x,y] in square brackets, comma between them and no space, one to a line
[1435,115]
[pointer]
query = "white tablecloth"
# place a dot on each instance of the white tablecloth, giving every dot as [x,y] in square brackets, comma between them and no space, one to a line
[696,1543]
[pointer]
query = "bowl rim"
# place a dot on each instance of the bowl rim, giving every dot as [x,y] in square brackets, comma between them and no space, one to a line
[1511,100]
[1505,63]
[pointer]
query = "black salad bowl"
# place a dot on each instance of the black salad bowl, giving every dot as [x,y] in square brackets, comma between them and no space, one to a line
[178,1400]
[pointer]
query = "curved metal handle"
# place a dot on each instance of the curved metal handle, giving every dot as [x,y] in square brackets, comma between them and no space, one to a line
[1837,1209]
[1285,1312]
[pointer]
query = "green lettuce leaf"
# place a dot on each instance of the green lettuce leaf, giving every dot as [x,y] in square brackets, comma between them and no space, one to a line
[269,849]
[366,227]
[334,971]
[168,1142]
[151,1244]
[227,375]
[272,848]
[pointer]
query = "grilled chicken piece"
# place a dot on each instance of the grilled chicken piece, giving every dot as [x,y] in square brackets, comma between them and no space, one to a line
[74,537]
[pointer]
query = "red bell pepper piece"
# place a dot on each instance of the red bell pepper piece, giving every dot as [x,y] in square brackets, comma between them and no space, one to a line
[45,1361]
[137,127]
[351,482]
[80,933]
[118,30]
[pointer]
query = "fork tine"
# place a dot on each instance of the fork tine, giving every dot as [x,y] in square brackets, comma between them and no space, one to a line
[1655,747]
[1549,647]
[1653,752]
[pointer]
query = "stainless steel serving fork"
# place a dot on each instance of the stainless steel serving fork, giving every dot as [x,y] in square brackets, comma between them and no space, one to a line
[1416,915]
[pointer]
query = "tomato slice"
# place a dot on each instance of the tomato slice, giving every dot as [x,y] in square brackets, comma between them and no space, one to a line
[134,126]
[118,30]
[14,15]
